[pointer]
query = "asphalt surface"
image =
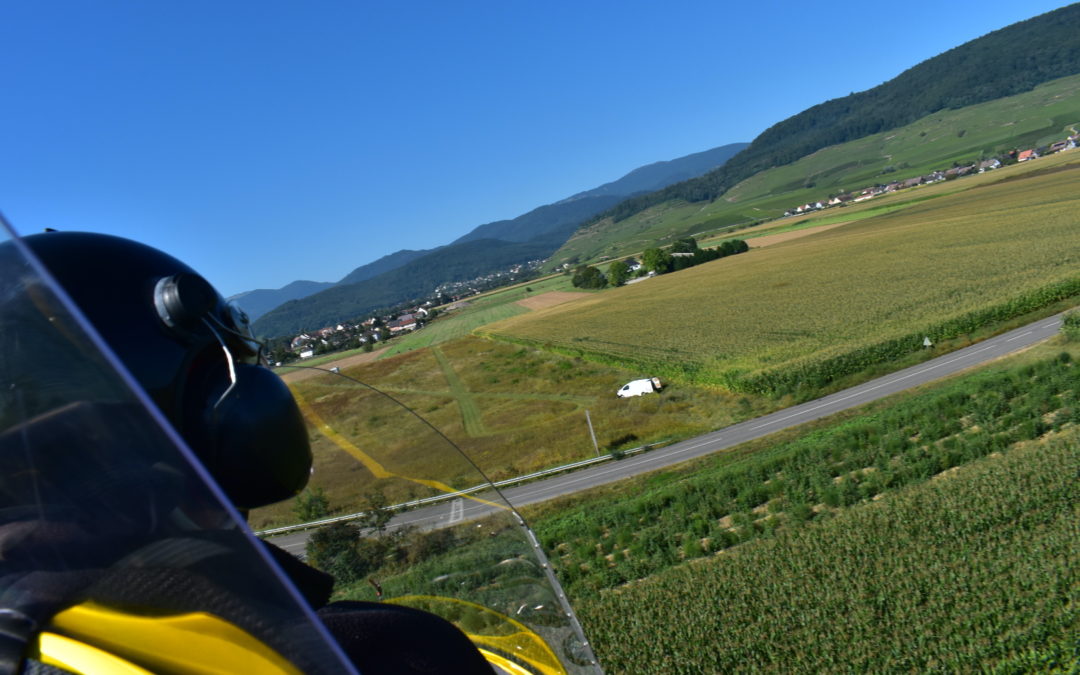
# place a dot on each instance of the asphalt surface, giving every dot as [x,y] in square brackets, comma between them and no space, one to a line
[460,510]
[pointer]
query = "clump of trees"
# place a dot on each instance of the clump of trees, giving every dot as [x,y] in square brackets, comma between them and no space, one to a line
[681,254]
[685,253]
[588,277]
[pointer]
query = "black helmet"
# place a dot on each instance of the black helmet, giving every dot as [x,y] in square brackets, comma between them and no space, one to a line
[194,355]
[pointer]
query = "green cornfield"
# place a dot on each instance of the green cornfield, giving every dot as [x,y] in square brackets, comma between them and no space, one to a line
[803,313]
[976,571]
[753,491]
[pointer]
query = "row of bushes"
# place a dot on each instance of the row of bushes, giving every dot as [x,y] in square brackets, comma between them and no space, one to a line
[811,374]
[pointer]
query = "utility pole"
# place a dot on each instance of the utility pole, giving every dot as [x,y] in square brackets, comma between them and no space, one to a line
[592,433]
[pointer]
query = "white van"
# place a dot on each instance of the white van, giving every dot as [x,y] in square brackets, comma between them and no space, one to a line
[639,387]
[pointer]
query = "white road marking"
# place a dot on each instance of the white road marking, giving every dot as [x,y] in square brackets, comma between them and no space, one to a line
[457,511]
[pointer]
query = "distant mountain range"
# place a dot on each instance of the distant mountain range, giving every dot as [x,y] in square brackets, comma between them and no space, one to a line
[262,300]
[405,275]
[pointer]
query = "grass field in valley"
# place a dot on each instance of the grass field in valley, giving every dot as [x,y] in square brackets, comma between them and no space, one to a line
[935,530]
[809,311]
[513,409]
[477,311]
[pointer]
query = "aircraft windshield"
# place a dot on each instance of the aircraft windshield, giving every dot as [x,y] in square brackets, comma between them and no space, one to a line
[113,535]
[110,534]
[445,541]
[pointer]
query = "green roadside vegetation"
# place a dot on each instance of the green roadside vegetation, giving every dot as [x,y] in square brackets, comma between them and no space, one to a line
[969,134]
[793,318]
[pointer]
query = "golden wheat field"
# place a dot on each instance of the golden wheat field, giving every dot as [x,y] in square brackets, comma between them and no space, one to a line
[843,296]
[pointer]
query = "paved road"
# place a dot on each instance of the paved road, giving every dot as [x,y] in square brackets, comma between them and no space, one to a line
[464,509]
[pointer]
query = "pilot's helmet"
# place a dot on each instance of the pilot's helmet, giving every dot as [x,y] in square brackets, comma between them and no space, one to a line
[195,356]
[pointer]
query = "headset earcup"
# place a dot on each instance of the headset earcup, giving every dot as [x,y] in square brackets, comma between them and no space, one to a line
[261,453]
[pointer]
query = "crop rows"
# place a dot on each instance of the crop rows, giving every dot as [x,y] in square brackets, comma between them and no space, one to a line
[804,313]
[748,497]
[978,571]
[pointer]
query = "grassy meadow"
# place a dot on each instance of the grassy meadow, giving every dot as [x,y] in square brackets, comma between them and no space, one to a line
[478,311]
[806,312]
[512,409]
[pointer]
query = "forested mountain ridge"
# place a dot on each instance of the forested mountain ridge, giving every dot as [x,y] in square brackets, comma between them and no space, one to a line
[383,265]
[574,210]
[460,262]
[262,300]
[1005,62]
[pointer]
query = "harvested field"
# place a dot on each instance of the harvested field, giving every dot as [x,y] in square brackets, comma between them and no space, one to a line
[550,299]
[770,239]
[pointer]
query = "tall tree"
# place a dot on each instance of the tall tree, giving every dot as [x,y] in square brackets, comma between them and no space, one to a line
[618,272]
[656,260]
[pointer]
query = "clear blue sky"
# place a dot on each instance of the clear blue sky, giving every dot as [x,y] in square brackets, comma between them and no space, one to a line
[268,141]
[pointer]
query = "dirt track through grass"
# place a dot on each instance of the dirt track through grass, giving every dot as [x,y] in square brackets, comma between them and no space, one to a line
[470,412]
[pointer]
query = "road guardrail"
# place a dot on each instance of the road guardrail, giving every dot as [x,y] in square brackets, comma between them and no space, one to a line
[467,491]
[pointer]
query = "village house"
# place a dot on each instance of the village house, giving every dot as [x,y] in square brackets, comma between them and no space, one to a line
[402,323]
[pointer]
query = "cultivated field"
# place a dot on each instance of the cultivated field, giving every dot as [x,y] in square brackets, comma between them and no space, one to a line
[803,313]
[938,530]
[551,299]
[973,572]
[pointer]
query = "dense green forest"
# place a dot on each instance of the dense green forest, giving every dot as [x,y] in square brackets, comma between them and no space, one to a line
[1005,62]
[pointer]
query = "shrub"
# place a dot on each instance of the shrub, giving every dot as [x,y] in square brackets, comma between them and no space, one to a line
[1070,325]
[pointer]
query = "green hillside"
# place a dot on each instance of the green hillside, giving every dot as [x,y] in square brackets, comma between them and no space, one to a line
[1047,113]
[1002,63]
